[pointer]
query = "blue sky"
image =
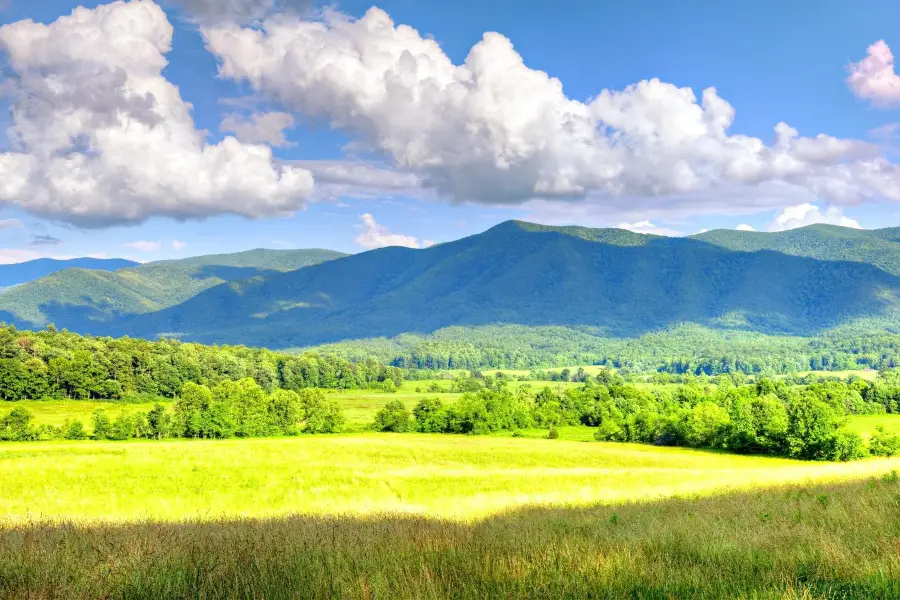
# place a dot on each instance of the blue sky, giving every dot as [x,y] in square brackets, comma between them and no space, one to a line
[771,61]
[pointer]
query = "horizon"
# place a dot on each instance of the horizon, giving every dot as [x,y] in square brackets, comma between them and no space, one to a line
[288,250]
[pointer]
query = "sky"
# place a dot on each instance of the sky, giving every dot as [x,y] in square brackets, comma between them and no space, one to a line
[183,127]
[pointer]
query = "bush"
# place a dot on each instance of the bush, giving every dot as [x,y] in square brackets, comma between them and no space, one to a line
[394,416]
[431,416]
[320,413]
[884,443]
[846,445]
[73,429]
[553,434]
[102,425]
[16,426]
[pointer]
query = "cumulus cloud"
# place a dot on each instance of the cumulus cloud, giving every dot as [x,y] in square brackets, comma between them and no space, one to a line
[648,227]
[237,11]
[10,223]
[178,245]
[493,130]
[260,128]
[143,245]
[374,236]
[810,214]
[745,227]
[873,78]
[100,137]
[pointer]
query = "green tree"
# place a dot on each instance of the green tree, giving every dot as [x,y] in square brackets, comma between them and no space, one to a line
[394,416]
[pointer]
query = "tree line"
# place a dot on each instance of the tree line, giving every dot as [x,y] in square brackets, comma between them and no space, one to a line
[768,417]
[680,349]
[63,365]
[230,409]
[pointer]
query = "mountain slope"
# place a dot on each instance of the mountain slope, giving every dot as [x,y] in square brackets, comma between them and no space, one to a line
[880,247]
[620,282]
[24,272]
[80,299]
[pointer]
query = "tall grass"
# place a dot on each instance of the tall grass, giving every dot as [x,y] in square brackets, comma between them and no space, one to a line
[799,542]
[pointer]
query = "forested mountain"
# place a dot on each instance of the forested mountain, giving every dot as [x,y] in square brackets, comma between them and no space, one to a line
[82,299]
[879,247]
[614,282]
[24,272]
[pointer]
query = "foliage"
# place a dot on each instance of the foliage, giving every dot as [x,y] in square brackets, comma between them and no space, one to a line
[393,417]
[58,364]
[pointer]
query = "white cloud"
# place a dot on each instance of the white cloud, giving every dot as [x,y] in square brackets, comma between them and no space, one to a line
[745,227]
[144,245]
[809,214]
[379,236]
[648,227]
[100,137]
[178,244]
[10,224]
[493,130]
[873,78]
[359,179]
[260,128]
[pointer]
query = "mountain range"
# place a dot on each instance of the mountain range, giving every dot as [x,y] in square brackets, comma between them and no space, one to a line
[621,284]
[24,272]
[82,299]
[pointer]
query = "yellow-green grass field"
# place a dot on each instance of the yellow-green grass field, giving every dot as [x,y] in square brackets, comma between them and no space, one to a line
[440,516]
[459,477]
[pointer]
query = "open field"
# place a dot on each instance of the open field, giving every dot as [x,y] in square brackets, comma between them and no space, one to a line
[412,516]
[449,476]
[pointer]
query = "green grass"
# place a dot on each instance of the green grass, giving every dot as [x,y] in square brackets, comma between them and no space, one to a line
[865,424]
[449,476]
[56,412]
[413,516]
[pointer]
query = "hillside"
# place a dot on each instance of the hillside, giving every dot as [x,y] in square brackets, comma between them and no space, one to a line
[24,272]
[880,247]
[81,299]
[618,283]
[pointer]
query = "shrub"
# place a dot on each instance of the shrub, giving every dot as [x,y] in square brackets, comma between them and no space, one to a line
[394,416]
[884,443]
[431,416]
[73,429]
[320,413]
[16,426]
[553,434]
[846,445]
[102,425]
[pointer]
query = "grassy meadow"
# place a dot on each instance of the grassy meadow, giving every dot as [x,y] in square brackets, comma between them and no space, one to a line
[440,516]
[381,515]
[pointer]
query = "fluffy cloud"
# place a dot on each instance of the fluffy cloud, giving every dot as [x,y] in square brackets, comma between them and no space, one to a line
[237,11]
[374,235]
[260,128]
[493,130]
[10,223]
[648,227]
[809,214]
[100,137]
[178,245]
[745,227]
[143,245]
[873,78]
